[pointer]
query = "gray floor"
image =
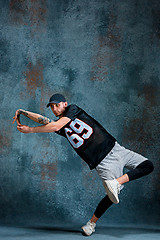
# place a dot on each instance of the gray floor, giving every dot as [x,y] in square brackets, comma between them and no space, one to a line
[51,233]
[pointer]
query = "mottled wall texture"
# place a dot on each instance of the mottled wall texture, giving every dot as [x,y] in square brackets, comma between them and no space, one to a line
[104,56]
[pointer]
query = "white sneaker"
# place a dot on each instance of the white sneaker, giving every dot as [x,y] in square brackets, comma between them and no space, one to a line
[89,228]
[113,189]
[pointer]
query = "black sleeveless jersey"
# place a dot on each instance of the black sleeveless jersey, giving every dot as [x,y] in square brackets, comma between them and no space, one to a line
[88,138]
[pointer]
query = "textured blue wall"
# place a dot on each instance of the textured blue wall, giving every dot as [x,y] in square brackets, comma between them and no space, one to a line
[102,55]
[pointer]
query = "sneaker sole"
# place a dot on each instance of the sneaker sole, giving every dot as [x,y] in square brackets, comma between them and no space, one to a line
[111,194]
[87,234]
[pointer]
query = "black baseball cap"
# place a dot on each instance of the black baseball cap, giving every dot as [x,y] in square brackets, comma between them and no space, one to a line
[56,98]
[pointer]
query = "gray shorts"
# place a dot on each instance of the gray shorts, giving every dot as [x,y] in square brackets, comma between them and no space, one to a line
[117,159]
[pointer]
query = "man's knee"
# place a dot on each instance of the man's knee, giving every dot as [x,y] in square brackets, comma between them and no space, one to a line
[147,166]
[150,166]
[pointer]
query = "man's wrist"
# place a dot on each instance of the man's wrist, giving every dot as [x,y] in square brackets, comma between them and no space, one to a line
[31,129]
[20,111]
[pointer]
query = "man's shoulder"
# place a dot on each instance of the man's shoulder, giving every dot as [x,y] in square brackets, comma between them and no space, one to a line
[72,111]
[72,107]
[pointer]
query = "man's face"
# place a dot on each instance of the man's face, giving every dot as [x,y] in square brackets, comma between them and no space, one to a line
[58,108]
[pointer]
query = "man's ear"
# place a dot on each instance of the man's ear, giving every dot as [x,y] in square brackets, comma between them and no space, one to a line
[65,104]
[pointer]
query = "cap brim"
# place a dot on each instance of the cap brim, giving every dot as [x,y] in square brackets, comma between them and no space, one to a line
[52,102]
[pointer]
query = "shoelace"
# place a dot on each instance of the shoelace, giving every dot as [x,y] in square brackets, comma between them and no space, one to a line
[118,188]
[91,224]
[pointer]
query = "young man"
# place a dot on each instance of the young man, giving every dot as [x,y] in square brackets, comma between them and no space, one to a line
[95,146]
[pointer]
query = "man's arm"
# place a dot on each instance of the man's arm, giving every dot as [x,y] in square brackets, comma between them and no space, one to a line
[50,127]
[33,116]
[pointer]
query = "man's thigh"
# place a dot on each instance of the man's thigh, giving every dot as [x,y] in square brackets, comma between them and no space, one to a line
[129,159]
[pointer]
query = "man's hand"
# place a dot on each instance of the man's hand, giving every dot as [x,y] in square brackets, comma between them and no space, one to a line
[16,117]
[23,128]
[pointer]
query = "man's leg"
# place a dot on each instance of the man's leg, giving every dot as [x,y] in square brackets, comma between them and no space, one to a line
[113,186]
[141,170]
[103,205]
[144,168]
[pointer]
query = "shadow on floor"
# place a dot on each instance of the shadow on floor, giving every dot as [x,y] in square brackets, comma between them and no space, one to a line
[57,229]
[111,231]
